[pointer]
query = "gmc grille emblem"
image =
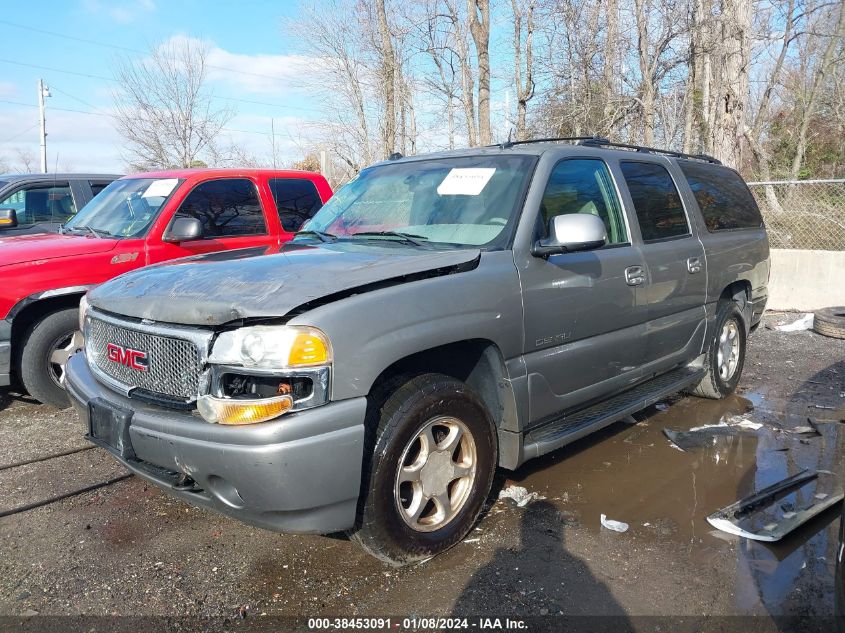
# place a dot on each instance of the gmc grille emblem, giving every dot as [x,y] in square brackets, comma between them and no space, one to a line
[132,358]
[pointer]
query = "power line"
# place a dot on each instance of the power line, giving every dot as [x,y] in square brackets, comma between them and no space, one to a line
[113,116]
[113,80]
[130,50]
[12,138]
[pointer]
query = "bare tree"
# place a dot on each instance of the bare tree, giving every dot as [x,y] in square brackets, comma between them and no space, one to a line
[479,27]
[164,108]
[523,10]
[26,160]
[822,68]
[388,78]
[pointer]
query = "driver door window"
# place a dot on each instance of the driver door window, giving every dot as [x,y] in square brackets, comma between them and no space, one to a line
[41,204]
[584,186]
[228,207]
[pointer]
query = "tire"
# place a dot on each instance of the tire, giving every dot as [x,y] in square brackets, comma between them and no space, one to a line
[715,384]
[52,334]
[830,322]
[443,405]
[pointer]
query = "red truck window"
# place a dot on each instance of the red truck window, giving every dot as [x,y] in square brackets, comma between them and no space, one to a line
[228,207]
[297,201]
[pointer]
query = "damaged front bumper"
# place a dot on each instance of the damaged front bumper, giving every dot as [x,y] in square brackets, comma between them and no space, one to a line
[299,473]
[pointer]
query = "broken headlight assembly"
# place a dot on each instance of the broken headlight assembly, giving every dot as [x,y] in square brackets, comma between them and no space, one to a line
[259,373]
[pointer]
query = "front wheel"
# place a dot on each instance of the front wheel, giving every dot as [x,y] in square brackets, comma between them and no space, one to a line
[430,470]
[45,351]
[725,355]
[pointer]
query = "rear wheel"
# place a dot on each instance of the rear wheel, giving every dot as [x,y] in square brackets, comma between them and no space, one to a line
[725,356]
[46,348]
[430,470]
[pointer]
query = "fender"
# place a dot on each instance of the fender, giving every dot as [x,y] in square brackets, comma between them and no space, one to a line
[46,294]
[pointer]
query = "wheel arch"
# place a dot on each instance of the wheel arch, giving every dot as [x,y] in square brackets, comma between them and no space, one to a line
[740,293]
[34,308]
[477,362]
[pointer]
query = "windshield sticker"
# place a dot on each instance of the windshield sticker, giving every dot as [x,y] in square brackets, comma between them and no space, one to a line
[160,188]
[466,182]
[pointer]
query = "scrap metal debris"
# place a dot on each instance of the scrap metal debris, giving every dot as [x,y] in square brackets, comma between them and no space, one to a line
[705,435]
[610,524]
[775,511]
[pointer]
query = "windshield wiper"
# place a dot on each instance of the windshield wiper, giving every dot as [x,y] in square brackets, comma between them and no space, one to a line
[324,237]
[411,238]
[95,232]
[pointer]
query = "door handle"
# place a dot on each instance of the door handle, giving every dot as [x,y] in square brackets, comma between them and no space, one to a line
[694,265]
[634,276]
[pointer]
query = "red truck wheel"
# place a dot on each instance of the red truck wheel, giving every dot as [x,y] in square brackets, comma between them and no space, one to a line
[46,347]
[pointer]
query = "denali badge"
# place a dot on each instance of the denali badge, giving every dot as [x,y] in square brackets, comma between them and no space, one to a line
[133,358]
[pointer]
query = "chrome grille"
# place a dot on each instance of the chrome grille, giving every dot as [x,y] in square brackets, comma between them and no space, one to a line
[173,364]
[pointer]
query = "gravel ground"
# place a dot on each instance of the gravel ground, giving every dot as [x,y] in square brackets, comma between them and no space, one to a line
[129,549]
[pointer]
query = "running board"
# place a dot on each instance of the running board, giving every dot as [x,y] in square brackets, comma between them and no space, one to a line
[577,424]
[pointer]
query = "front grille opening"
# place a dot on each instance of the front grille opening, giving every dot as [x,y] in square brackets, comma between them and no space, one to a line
[233,385]
[153,364]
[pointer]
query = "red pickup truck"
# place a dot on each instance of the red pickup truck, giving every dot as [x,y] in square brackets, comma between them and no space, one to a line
[135,221]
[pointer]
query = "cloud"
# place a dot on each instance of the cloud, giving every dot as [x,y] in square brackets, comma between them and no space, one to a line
[257,74]
[120,12]
[8,89]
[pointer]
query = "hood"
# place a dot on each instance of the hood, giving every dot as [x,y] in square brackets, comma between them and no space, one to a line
[222,287]
[36,248]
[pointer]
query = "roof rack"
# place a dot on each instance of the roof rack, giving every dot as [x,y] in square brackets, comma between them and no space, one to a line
[599,141]
[569,139]
[602,142]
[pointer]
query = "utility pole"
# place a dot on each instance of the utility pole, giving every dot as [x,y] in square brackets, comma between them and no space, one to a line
[43,91]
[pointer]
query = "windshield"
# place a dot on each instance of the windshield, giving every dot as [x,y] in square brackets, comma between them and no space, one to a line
[126,208]
[456,202]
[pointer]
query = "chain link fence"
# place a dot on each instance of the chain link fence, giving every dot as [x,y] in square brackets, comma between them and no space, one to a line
[808,214]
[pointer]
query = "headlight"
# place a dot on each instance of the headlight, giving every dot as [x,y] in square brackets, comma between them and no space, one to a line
[272,347]
[83,309]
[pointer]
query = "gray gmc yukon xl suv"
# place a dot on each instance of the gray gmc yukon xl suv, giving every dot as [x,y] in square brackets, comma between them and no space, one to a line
[441,316]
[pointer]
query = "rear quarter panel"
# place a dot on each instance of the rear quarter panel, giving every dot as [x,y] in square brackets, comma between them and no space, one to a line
[730,255]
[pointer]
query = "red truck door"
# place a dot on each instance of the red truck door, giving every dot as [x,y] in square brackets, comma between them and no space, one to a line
[235,212]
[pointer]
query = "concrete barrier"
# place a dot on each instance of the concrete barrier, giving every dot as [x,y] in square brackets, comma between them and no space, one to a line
[806,280]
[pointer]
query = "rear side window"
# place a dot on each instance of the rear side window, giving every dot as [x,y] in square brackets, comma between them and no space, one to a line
[723,197]
[584,186]
[41,204]
[657,202]
[297,201]
[228,207]
[97,187]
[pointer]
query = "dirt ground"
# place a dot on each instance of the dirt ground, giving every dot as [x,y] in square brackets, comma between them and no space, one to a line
[129,549]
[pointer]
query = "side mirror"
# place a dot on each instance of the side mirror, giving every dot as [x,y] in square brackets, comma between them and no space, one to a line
[570,233]
[8,219]
[184,230]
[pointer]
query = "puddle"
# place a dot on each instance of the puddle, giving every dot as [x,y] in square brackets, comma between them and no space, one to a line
[632,473]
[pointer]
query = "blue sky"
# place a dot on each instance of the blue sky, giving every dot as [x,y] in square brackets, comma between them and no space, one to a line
[246,36]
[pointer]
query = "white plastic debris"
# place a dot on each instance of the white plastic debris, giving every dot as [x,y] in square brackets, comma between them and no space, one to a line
[804,323]
[744,423]
[610,524]
[519,495]
[661,406]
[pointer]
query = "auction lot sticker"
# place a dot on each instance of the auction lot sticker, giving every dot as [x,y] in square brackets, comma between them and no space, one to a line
[469,181]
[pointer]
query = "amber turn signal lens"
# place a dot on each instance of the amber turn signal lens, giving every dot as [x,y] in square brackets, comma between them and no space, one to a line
[234,411]
[308,348]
